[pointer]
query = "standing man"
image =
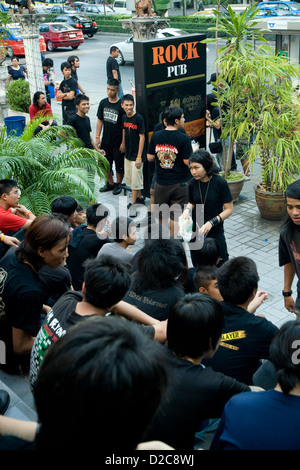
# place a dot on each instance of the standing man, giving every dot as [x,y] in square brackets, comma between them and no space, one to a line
[47,65]
[112,68]
[67,92]
[75,64]
[81,122]
[133,144]
[289,247]
[110,114]
[170,148]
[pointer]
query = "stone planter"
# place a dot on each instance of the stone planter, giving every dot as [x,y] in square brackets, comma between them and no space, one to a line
[272,206]
[236,186]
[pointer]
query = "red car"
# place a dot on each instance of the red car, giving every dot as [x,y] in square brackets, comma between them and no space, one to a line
[60,35]
[12,39]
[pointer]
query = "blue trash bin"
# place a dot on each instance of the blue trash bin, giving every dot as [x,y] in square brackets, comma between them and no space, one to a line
[15,124]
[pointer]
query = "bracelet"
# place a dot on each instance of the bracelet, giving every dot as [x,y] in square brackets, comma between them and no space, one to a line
[28,212]
[285,294]
[1,237]
[97,136]
[214,221]
[138,158]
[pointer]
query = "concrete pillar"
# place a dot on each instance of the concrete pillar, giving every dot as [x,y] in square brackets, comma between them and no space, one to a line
[29,24]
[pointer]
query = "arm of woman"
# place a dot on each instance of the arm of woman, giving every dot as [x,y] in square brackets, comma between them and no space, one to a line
[227,211]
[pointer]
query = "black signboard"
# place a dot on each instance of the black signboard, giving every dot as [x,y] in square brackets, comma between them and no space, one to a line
[172,71]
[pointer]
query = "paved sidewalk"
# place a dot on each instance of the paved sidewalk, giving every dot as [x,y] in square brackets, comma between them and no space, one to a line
[247,234]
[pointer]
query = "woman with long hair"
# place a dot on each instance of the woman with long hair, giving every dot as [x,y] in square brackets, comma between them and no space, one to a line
[22,295]
[210,203]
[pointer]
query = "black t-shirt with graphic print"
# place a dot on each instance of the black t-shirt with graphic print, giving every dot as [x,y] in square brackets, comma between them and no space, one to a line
[111,114]
[170,148]
[133,126]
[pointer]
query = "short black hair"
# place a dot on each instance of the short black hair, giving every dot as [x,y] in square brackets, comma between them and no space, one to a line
[47,62]
[204,275]
[64,205]
[171,113]
[71,59]
[113,49]
[106,281]
[128,97]
[80,98]
[6,186]
[95,213]
[195,325]
[65,65]
[121,227]
[113,82]
[208,254]
[237,278]
[103,370]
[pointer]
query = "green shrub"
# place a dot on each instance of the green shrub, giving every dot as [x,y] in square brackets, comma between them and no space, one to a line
[18,95]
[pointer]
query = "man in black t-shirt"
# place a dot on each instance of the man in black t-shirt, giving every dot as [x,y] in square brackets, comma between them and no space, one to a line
[113,70]
[67,92]
[171,149]
[81,122]
[75,64]
[109,114]
[133,144]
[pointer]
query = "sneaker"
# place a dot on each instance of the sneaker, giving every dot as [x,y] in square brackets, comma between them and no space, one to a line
[140,200]
[117,189]
[131,210]
[107,187]
[4,401]
[247,178]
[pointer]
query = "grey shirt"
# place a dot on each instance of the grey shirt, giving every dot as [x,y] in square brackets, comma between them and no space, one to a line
[116,251]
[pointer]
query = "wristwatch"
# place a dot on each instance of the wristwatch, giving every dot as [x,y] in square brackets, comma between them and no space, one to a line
[287,294]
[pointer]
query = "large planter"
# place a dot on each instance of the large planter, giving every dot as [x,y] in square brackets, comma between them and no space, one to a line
[272,206]
[236,186]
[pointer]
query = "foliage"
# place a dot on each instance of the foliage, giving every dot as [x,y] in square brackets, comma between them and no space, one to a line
[18,95]
[255,92]
[51,164]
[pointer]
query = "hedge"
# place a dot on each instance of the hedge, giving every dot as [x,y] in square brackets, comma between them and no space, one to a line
[191,24]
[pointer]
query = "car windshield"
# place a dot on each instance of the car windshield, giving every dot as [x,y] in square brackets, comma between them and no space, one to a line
[294,5]
[16,33]
[61,27]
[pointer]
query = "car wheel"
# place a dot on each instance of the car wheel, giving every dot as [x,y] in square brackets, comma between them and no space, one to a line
[50,46]
[120,58]
[74,47]
[9,52]
[90,35]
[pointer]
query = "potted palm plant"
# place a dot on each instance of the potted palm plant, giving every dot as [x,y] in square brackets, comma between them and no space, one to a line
[256,92]
[50,165]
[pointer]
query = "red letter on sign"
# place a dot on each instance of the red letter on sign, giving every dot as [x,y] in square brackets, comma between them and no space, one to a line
[158,53]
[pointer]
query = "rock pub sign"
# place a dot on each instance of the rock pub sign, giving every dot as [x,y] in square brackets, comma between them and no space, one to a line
[172,72]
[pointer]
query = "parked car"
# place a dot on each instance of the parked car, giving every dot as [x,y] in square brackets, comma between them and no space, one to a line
[62,9]
[60,35]
[126,47]
[292,7]
[96,10]
[120,7]
[268,12]
[11,37]
[87,26]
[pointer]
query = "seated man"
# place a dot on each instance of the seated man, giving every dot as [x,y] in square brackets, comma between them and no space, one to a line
[195,393]
[124,234]
[65,206]
[87,241]
[246,337]
[105,283]
[13,216]
[40,108]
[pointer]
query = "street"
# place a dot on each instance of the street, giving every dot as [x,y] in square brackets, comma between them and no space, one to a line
[92,72]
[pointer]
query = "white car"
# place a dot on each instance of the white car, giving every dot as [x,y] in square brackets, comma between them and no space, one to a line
[126,47]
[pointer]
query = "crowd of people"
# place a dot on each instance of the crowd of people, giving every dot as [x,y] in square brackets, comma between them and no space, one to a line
[163,347]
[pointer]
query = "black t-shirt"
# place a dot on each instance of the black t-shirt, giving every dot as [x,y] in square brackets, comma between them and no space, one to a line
[215,193]
[195,393]
[21,303]
[289,250]
[170,149]
[85,244]
[133,126]
[111,114]
[65,87]
[156,303]
[112,64]
[82,125]
[245,341]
